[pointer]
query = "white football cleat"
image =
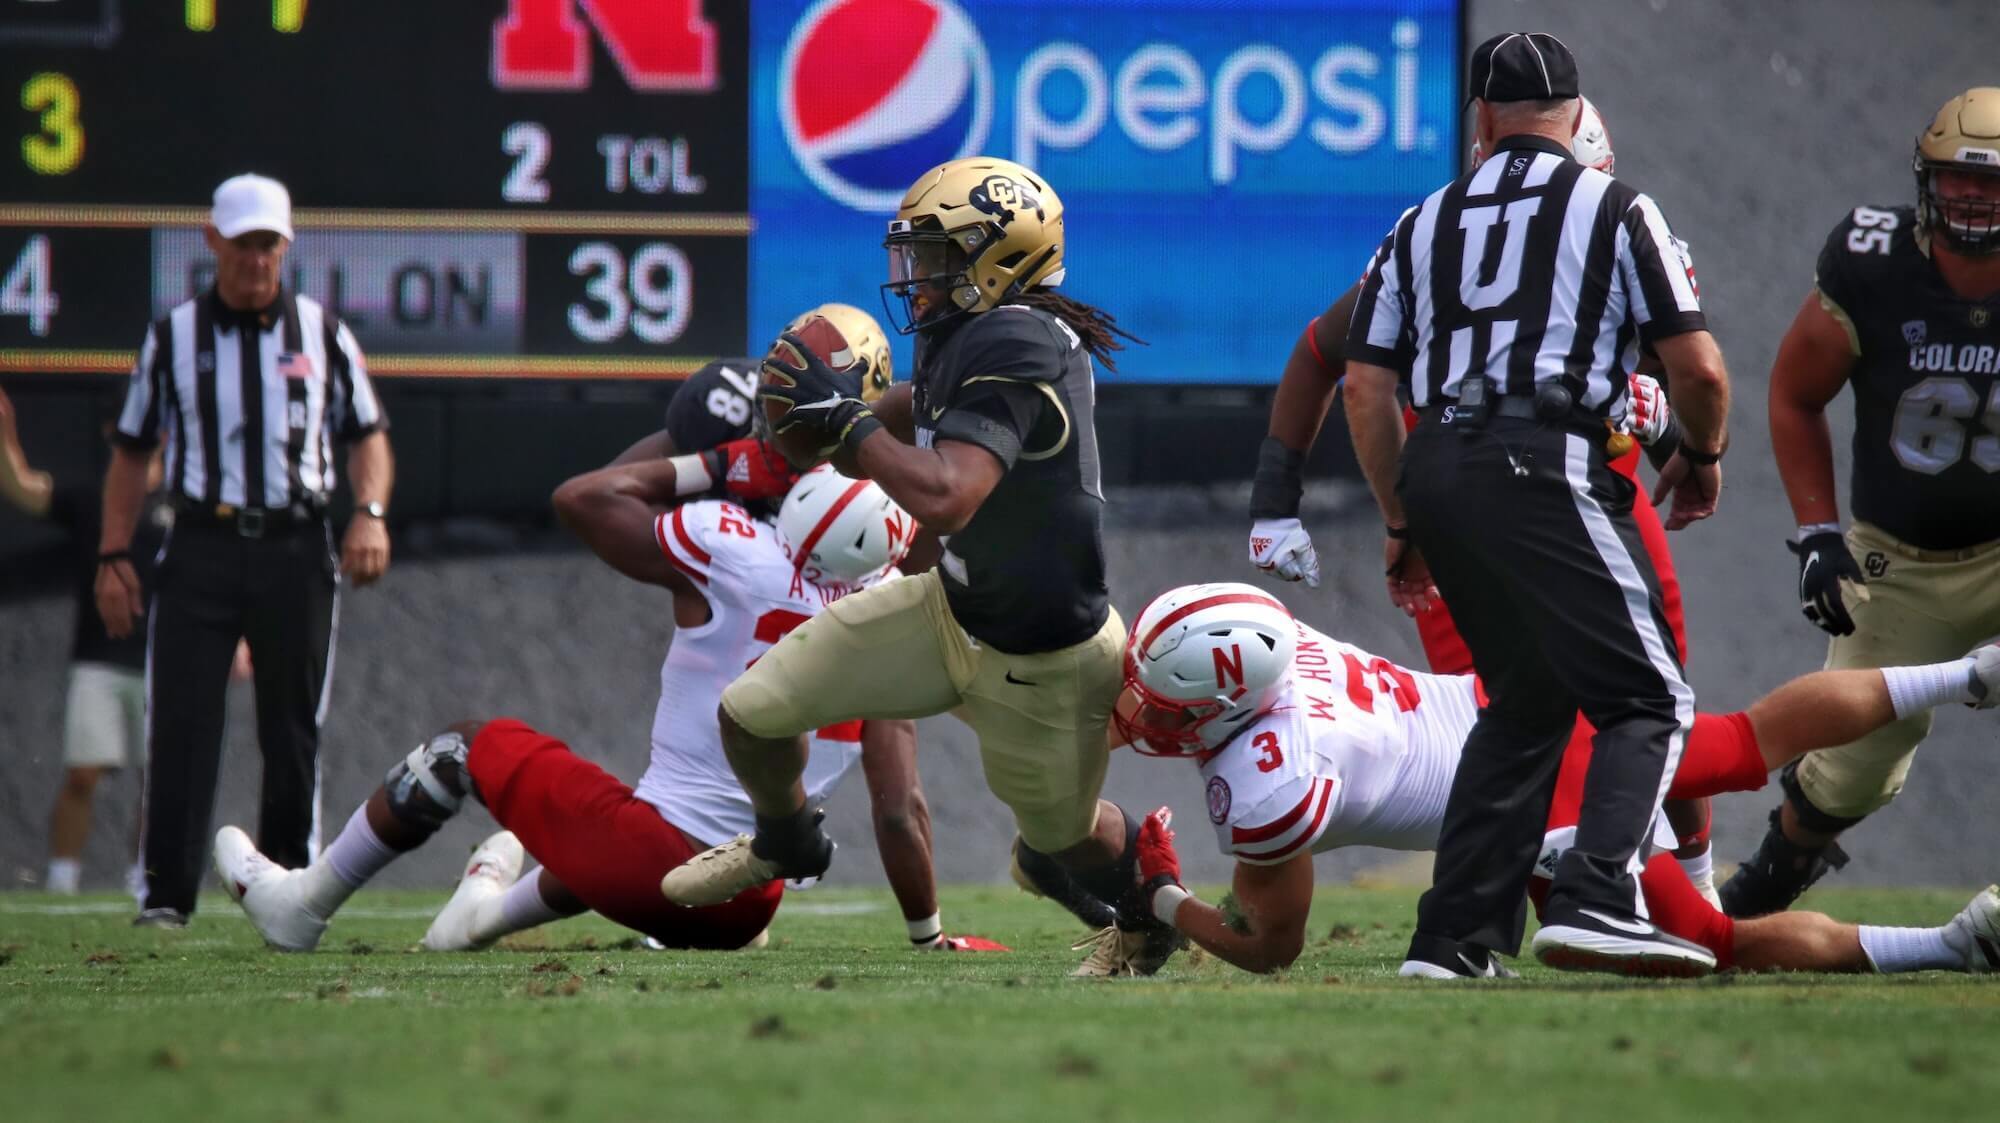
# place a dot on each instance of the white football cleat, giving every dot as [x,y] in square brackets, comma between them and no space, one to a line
[717,874]
[494,867]
[1985,676]
[268,893]
[1975,932]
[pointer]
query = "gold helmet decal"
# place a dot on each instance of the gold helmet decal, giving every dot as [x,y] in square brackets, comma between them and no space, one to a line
[971,235]
[865,338]
[1963,138]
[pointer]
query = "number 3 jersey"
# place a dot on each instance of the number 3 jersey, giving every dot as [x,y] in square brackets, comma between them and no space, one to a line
[1926,383]
[755,597]
[1358,752]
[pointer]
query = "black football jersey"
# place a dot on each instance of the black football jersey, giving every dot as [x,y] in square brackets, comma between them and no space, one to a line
[1026,575]
[1926,384]
[714,404]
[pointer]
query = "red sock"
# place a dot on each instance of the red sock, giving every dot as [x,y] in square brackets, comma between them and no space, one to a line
[1721,756]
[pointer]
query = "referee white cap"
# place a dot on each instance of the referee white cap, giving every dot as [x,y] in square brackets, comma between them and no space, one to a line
[252,202]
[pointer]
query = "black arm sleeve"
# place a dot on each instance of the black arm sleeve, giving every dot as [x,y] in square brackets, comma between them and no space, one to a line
[996,414]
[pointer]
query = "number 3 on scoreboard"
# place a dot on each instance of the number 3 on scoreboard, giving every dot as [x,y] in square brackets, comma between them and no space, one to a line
[58,148]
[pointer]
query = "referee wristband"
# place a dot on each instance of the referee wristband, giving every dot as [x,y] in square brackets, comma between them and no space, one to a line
[1167,901]
[1399,533]
[1697,457]
[110,556]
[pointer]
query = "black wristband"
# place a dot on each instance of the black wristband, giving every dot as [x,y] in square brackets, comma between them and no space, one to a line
[858,429]
[110,556]
[1696,457]
[1399,533]
[1279,483]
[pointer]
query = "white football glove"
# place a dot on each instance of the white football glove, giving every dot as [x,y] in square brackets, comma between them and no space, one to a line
[1283,547]
[1648,415]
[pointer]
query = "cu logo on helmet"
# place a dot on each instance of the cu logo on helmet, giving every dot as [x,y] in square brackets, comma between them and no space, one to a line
[873,93]
[1001,197]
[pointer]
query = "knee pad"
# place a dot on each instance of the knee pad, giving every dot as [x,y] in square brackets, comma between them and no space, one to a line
[427,786]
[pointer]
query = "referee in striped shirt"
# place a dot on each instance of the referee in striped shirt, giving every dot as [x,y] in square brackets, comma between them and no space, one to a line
[253,385]
[1509,305]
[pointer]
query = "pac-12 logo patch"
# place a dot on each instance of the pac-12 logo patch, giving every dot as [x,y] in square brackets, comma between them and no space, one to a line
[872,93]
[1915,332]
[1218,799]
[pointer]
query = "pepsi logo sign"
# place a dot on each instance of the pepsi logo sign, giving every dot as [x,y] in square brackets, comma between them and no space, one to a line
[873,93]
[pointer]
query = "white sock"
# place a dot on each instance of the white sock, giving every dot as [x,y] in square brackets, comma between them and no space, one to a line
[356,855]
[1908,949]
[520,908]
[927,933]
[64,874]
[1700,869]
[1916,690]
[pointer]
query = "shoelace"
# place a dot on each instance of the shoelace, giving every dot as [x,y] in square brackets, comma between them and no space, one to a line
[1107,951]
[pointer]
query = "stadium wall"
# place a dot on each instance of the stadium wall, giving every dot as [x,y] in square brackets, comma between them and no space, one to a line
[1756,127]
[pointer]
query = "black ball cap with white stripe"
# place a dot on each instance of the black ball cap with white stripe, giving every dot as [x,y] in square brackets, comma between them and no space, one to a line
[1523,66]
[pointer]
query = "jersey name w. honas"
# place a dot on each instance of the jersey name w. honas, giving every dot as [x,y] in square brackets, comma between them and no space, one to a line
[755,597]
[1358,752]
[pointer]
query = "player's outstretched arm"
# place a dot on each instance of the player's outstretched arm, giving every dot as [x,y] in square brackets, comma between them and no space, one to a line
[1272,903]
[1279,543]
[613,510]
[902,819]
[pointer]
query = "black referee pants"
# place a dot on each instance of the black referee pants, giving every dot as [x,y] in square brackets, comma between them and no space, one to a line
[214,587]
[1549,583]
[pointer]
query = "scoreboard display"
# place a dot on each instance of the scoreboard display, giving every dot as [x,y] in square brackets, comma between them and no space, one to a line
[517,188]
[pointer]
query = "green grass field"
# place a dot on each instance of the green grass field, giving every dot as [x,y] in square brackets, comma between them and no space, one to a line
[835,1021]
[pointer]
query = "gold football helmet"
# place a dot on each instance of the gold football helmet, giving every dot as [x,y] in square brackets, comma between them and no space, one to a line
[865,338]
[969,236]
[1964,137]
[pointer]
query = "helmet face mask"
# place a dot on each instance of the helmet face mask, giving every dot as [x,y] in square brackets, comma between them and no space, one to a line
[1957,165]
[929,279]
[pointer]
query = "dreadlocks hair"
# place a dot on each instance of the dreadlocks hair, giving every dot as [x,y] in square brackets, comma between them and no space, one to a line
[1097,328]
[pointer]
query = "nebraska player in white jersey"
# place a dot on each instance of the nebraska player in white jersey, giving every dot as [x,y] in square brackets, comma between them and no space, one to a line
[740,583]
[1307,744]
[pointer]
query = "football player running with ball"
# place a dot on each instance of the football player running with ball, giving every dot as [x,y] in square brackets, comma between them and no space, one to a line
[994,449]
[1904,307]
[739,581]
[1308,744]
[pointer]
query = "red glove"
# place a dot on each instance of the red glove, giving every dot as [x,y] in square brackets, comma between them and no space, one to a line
[748,469]
[1157,859]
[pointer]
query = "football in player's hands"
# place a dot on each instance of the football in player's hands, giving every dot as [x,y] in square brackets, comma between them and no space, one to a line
[826,357]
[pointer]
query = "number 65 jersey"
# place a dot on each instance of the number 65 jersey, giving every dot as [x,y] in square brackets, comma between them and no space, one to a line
[755,596]
[1926,380]
[1358,752]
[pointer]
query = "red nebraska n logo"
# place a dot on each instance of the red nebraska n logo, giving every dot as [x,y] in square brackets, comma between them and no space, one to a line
[1230,665]
[657,44]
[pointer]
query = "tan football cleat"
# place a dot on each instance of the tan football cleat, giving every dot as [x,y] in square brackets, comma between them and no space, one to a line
[1117,954]
[717,874]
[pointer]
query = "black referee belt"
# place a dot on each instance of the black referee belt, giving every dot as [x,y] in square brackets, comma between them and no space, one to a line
[247,522]
[1519,408]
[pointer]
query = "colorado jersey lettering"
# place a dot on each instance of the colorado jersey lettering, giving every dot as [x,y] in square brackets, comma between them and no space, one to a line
[1358,752]
[1926,381]
[756,597]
